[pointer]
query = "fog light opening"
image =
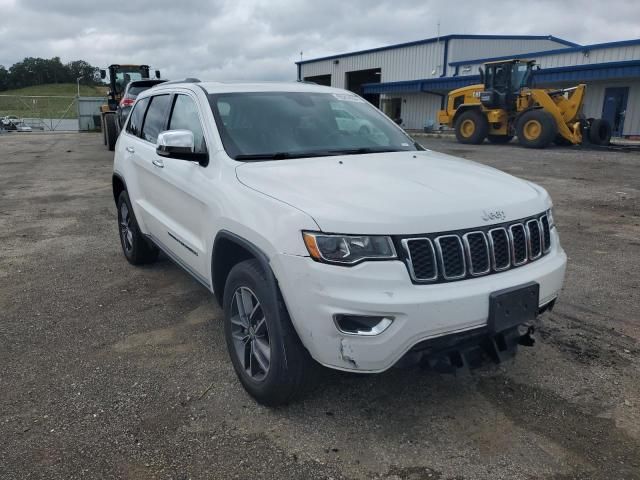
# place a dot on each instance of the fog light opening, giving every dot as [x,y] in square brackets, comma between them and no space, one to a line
[364,325]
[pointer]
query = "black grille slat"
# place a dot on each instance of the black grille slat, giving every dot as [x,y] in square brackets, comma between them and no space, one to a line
[478,252]
[535,239]
[500,247]
[518,244]
[423,259]
[451,256]
[546,233]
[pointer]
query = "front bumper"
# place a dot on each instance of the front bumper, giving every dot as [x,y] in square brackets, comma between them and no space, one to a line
[315,292]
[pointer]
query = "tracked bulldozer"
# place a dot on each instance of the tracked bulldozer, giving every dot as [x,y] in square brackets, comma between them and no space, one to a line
[505,105]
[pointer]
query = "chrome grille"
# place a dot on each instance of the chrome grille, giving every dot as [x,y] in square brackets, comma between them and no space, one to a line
[519,253]
[450,256]
[422,258]
[477,250]
[535,239]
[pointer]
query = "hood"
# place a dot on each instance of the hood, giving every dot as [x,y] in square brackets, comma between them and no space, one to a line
[395,193]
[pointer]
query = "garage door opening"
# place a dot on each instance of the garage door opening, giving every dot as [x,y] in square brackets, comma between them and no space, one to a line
[355,80]
[319,79]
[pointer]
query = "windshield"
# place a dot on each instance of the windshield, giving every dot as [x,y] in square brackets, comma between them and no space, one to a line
[124,76]
[278,125]
[520,75]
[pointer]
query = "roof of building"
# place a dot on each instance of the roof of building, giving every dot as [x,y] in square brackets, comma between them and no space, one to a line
[555,51]
[442,38]
[571,73]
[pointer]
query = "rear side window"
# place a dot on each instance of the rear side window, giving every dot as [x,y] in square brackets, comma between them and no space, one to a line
[154,121]
[136,117]
[135,91]
[185,117]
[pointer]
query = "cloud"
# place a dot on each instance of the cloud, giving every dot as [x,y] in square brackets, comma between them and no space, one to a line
[260,39]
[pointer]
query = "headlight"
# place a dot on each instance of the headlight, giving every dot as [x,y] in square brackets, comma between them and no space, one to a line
[552,223]
[348,249]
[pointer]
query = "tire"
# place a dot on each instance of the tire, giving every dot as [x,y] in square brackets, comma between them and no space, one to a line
[103,127]
[267,330]
[111,131]
[499,139]
[536,129]
[136,248]
[471,127]
[600,132]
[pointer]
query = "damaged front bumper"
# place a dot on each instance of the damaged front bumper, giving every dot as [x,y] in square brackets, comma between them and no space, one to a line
[316,293]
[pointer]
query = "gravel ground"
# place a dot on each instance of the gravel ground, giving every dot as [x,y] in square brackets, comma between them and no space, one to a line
[112,371]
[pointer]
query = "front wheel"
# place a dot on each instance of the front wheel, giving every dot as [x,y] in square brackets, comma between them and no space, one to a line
[471,127]
[267,355]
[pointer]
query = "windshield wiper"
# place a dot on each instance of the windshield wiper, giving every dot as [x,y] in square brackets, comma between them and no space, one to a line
[282,155]
[358,151]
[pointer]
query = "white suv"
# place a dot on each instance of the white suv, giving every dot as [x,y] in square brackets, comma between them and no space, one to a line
[356,248]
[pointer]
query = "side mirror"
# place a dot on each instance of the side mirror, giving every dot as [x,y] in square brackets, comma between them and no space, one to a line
[158,74]
[481,71]
[179,144]
[103,74]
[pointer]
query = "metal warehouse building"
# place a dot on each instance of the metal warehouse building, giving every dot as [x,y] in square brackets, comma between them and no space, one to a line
[410,81]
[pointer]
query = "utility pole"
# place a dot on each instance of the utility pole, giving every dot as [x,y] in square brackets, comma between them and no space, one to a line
[78,83]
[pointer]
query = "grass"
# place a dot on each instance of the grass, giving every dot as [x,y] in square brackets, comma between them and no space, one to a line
[23,102]
[59,89]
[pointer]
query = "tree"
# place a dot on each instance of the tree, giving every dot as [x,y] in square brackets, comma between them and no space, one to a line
[4,78]
[38,71]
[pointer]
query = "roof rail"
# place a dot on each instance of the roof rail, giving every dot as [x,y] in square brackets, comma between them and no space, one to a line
[184,80]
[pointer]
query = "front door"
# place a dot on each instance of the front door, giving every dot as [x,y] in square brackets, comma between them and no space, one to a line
[614,108]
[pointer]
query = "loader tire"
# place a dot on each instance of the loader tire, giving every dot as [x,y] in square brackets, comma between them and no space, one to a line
[111,131]
[471,127]
[499,139]
[600,132]
[536,129]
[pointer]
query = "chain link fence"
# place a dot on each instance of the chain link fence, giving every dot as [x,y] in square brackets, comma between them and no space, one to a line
[53,113]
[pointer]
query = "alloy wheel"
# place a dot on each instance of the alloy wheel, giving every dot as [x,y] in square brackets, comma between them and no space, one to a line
[250,333]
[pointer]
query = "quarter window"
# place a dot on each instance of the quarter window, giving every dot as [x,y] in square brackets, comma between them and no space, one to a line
[136,117]
[185,117]
[154,121]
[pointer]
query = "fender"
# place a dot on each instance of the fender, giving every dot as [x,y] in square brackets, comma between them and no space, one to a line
[255,251]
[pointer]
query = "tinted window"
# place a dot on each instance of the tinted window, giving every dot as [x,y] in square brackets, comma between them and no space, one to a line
[135,91]
[136,117]
[185,117]
[260,124]
[155,118]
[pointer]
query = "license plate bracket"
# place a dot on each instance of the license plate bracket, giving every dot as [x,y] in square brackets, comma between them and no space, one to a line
[513,306]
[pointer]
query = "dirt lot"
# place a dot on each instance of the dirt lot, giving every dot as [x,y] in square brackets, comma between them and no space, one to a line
[111,371]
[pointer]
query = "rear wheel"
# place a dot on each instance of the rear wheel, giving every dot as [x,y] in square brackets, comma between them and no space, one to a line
[267,355]
[499,139]
[471,127]
[536,129]
[600,132]
[111,130]
[135,246]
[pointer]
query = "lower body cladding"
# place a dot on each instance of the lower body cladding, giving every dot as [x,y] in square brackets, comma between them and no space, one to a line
[369,317]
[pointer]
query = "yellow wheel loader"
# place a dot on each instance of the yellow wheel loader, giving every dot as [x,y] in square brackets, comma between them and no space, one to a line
[119,77]
[504,105]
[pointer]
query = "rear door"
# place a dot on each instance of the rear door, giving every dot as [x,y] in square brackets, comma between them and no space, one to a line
[149,166]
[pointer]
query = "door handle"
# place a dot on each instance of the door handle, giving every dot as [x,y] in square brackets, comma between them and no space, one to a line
[158,163]
[131,150]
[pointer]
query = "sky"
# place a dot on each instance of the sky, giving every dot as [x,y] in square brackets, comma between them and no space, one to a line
[261,39]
